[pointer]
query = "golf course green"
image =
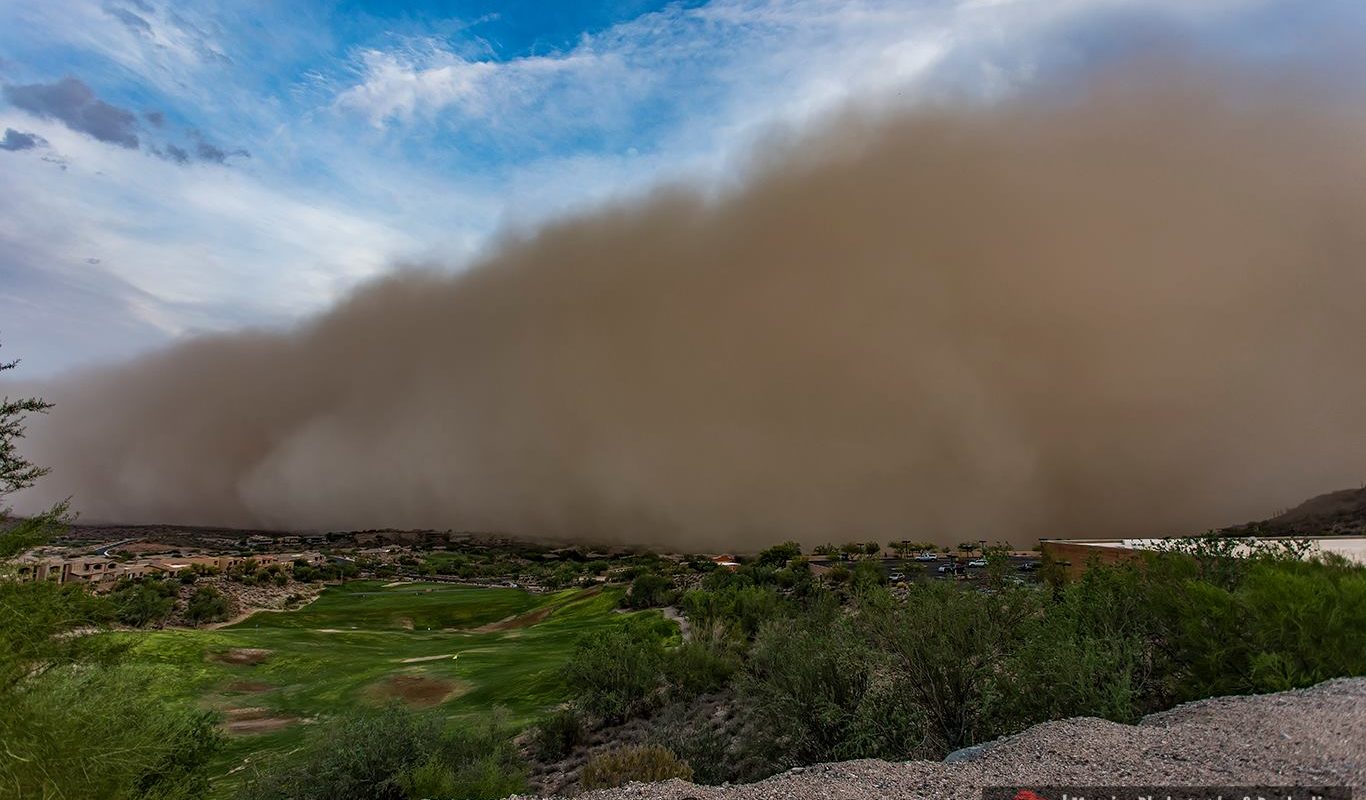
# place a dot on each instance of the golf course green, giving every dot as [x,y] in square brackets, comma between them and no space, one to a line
[439,648]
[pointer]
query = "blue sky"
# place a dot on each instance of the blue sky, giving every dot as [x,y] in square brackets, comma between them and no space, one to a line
[171,168]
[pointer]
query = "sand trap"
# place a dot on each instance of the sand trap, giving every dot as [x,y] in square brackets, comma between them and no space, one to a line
[419,659]
[249,656]
[417,691]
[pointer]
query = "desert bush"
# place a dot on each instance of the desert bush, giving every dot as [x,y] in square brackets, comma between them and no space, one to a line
[649,590]
[704,663]
[476,762]
[819,691]
[618,673]
[947,645]
[558,734]
[640,763]
[1089,652]
[207,604]
[1266,624]
[394,754]
[143,602]
[743,606]
[867,576]
[380,748]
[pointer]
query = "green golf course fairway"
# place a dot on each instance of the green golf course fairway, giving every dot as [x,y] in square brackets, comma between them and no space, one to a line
[440,648]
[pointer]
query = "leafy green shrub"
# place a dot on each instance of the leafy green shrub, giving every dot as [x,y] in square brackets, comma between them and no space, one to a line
[819,691]
[144,602]
[394,754]
[478,762]
[380,748]
[746,607]
[617,673]
[1090,652]
[557,735]
[948,646]
[207,604]
[1273,624]
[704,663]
[649,590]
[642,763]
[81,732]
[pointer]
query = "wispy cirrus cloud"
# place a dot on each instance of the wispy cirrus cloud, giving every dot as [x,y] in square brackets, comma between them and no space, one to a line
[425,78]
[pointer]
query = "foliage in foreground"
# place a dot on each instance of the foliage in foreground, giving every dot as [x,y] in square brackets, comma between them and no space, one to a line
[642,763]
[810,672]
[395,754]
[74,720]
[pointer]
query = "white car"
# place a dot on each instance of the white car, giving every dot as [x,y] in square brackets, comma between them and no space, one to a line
[977,562]
[927,556]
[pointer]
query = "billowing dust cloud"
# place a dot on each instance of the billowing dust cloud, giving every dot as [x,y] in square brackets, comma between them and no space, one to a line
[1132,308]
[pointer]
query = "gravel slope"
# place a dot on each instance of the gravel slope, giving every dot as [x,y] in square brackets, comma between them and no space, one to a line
[1314,736]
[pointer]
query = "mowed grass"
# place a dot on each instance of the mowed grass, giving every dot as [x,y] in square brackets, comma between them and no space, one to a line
[450,650]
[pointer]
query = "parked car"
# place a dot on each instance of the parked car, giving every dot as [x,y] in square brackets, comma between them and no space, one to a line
[946,569]
[896,577]
[927,556]
[977,562]
[1029,566]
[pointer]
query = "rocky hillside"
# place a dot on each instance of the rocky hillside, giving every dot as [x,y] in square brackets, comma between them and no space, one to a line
[1336,513]
[1309,737]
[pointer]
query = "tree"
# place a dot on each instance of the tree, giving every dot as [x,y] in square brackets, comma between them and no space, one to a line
[779,554]
[649,590]
[77,720]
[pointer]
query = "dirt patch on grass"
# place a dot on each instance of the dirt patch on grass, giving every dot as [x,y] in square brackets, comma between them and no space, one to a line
[529,618]
[249,656]
[405,623]
[417,691]
[249,687]
[419,659]
[249,721]
[525,620]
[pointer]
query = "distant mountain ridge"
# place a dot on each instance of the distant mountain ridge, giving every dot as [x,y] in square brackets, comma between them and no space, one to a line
[1340,513]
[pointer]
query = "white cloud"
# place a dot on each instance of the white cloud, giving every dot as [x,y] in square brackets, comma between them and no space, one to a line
[179,248]
[400,84]
[165,46]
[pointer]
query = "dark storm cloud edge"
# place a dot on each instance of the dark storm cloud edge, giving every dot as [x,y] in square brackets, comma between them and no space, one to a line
[1129,309]
[74,104]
